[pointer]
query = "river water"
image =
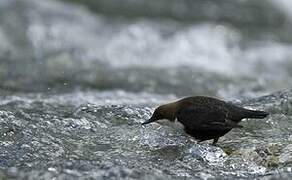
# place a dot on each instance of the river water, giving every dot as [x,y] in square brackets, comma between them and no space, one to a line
[78,79]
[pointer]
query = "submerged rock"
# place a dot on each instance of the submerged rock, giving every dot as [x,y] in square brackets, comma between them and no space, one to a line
[81,135]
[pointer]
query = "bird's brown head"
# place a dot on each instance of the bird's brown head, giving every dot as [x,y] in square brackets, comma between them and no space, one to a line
[166,111]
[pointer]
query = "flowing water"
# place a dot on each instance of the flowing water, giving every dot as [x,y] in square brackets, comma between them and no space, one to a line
[77,81]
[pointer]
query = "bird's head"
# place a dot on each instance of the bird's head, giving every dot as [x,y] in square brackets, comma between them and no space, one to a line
[166,111]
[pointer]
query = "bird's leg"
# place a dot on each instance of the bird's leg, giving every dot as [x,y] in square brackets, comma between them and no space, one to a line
[215,140]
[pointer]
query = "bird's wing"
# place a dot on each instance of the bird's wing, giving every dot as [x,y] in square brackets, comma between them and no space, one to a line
[205,119]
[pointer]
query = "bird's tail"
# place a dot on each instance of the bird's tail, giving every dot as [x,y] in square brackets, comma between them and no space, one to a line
[256,114]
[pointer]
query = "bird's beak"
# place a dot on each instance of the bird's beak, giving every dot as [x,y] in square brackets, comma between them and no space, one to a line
[149,121]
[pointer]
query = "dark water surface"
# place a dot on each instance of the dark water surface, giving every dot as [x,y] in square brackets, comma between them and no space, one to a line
[76,84]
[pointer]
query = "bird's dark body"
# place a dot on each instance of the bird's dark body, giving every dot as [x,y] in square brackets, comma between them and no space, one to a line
[203,117]
[204,135]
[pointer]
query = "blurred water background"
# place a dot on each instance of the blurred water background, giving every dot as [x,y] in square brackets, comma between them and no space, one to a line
[77,78]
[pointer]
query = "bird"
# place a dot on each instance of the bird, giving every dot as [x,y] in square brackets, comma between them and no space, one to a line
[204,118]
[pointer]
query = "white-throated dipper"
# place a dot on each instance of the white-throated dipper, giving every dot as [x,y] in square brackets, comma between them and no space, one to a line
[203,117]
